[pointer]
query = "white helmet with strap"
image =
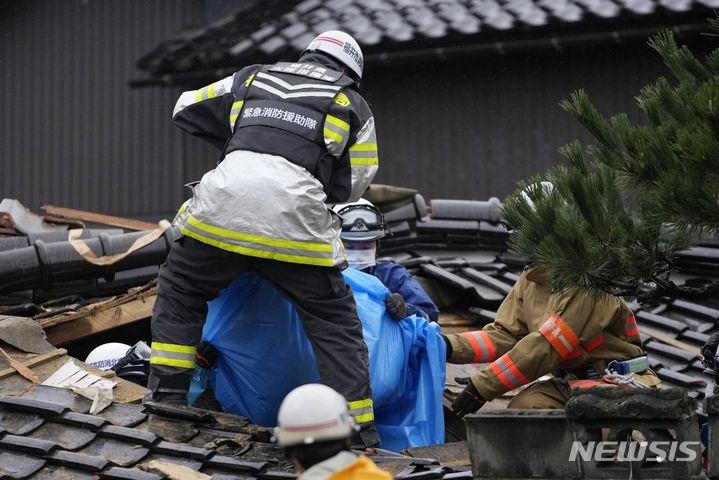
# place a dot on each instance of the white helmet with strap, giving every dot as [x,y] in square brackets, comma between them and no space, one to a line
[340,46]
[361,221]
[313,413]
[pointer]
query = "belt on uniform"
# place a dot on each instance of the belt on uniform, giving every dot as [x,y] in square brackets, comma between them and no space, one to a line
[582,373]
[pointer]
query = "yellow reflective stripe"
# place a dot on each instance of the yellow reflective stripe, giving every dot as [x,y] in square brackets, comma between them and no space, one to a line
[333,135]
[249,80]
[309,246]
[182,209]
[363,147]
[173,362]
[364,162]
[283,257]
[172,347]
[207,92]
[367,402]
[235,111]
[337,122]
[367,417]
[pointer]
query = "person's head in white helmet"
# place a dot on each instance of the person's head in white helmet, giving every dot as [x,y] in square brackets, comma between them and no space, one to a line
[362,227]
[313,425]
[338,47]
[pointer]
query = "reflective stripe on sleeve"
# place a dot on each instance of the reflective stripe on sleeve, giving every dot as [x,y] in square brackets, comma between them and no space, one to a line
[631,328]
[173,355]
[367,402]
[341,124]
[205,93]
[336,133]
[594,343]
[363,154]
[334,136]
[559,335]
[361,410]
[482,346]
[508,373]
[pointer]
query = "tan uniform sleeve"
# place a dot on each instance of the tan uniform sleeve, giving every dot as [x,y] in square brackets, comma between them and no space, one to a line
[495,339]
[570,319]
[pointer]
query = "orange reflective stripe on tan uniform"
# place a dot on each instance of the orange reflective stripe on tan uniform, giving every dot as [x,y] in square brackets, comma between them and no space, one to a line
[508,373]
[482,345]
[631,328]
[595,343]
[560,336]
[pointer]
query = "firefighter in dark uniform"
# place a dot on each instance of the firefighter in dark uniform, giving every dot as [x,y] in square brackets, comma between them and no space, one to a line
[294,137]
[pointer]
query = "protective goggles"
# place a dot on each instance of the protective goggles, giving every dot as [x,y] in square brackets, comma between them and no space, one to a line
[362,222]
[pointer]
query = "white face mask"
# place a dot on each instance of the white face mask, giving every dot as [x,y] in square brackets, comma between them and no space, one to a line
[361,259]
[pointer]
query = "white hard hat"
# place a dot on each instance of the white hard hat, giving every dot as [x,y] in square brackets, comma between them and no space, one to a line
[341,46]
[312,413]
[107,355]
[361,221]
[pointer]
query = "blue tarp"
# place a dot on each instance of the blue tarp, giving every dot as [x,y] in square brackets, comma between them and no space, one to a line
[264,354]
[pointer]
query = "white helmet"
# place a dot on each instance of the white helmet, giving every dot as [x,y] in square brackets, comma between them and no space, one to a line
[312,413]
[107,355]
[361,221]
[340,46]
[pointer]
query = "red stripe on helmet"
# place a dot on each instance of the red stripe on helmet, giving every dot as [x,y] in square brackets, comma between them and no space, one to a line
[331,40]
[315,426]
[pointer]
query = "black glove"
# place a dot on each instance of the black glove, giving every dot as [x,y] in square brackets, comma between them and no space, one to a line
[396,306]
[205,355]
[469,400]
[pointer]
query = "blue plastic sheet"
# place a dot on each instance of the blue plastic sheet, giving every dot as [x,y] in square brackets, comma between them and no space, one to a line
[264,354]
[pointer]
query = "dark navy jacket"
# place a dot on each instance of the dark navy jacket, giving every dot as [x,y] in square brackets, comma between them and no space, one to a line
[398,280]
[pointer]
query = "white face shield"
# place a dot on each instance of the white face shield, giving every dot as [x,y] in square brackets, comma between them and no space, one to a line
[361,255]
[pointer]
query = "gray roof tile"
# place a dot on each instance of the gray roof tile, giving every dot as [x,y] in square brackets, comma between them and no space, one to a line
[379,25]
[18,465]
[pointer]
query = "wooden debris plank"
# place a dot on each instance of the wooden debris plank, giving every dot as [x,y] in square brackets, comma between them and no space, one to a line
[133,311]
[85,216]
[660,337]
[139,293]
[34,361]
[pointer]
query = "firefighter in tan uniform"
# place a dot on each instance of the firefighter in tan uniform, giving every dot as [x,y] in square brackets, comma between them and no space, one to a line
[574,334]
